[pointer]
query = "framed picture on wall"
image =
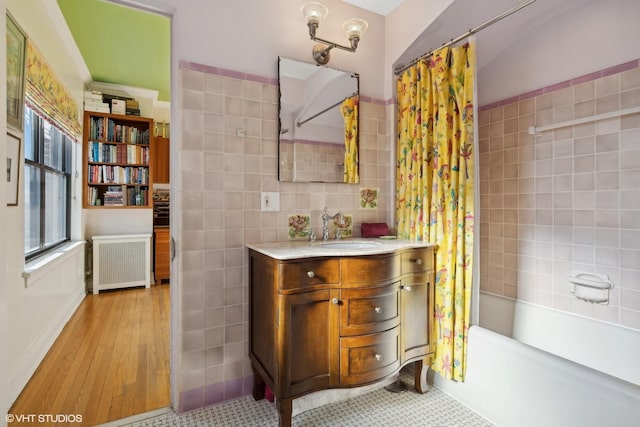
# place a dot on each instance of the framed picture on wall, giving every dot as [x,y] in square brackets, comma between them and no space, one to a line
[13,169]
[16,50]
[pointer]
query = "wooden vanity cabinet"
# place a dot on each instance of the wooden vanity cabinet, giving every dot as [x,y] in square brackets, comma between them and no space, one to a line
[417,293]
[330,322]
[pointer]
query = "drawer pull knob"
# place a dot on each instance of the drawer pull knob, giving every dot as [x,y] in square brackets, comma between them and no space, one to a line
[406,288]
[335,300]
[378,357]
[311,274]
[418,261]
[378,310]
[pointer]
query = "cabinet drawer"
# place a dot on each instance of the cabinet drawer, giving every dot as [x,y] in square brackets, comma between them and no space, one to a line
[309,273]
[416,260]
[369,357]
[365,311]
[370,269]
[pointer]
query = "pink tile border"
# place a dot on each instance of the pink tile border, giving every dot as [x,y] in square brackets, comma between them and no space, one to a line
[556,86]
[257,78]
[567,83]
[190,400]
[227,73]
[215,393]
[370,100]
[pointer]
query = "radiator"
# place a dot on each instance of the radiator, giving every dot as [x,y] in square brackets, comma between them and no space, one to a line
[122,261]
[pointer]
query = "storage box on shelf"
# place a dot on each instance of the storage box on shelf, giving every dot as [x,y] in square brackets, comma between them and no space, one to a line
[118,170]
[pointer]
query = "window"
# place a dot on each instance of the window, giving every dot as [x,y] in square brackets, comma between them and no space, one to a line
[47,184]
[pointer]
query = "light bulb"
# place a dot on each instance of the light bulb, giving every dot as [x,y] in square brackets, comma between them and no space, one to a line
[314,12]
[355,27]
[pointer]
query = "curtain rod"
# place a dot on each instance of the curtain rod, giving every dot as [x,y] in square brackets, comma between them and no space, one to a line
[300,123]
[471,32]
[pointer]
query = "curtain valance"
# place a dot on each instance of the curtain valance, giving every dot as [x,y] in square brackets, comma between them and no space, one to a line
[45,93]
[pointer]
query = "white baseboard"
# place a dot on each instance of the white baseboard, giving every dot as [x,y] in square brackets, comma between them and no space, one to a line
[22,372]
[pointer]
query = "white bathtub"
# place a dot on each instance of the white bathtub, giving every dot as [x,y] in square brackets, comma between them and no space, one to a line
[515,384]
[603,346]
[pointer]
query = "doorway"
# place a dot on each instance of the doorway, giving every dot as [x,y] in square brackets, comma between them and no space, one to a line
[154,309]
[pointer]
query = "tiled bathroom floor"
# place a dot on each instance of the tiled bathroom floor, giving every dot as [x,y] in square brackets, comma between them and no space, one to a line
[377,408]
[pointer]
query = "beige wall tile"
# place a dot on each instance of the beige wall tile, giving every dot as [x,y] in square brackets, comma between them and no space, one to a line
[565,201]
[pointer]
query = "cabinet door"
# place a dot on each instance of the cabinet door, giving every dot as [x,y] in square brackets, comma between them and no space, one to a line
[415,299]
[262,316]
[161,171]
[308,341]
[162,255]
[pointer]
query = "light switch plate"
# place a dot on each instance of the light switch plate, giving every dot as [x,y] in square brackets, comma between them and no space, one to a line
[269,202]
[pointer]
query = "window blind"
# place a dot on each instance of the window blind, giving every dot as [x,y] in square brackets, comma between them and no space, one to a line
[45,93]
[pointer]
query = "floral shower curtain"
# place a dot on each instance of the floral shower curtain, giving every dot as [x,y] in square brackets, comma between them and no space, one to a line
[349,110]
[434,188]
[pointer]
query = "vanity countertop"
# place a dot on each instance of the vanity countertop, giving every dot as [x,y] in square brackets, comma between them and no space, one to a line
[293,249]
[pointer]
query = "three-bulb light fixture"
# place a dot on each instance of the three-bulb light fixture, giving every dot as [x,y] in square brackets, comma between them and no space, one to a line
[353,27]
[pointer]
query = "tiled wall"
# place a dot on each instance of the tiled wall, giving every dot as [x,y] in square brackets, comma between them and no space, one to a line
[567,200]
[218,209]
[313,161]
[286,160]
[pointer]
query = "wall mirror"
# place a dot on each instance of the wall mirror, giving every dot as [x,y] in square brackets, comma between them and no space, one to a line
[318,123]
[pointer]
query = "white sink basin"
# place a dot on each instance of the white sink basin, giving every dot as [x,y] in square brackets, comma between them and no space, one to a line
[348,245]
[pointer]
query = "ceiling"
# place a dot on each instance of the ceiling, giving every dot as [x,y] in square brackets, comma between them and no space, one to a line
[381,7]
[130,47]
[122,45]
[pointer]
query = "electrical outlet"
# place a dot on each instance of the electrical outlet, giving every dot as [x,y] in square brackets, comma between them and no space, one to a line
[269,202]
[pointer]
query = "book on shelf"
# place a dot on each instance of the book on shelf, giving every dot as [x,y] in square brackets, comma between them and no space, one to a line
[92,196]
[130,134]
[98,152]
[96,128]
[109,174]
[137,196]
[119,195]
[114,196]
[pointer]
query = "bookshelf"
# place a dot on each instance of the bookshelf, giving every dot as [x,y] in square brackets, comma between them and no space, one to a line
[118,166]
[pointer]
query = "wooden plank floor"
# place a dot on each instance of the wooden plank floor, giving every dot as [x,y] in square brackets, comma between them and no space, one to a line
[111,360]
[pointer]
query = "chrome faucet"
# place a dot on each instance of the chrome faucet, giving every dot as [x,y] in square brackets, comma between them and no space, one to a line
[325,224]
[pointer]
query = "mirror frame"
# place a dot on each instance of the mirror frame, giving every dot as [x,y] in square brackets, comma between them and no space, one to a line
[282,129]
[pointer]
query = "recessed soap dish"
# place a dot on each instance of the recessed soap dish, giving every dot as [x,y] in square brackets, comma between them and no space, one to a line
[590,287]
